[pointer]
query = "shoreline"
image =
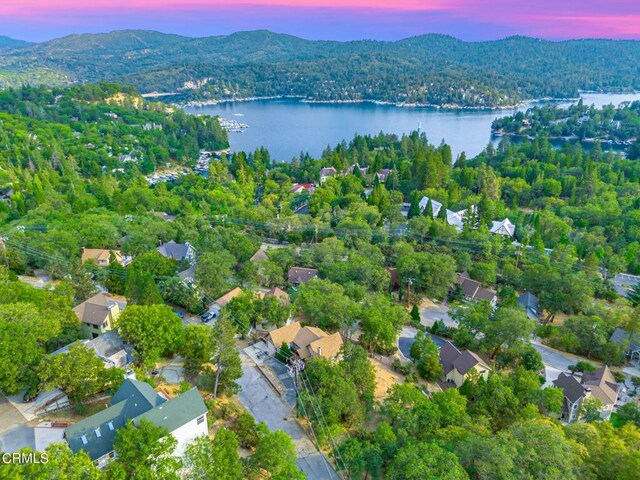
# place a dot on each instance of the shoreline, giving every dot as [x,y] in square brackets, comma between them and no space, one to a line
[445,107]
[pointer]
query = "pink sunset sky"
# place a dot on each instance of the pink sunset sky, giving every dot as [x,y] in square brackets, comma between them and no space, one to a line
[38,20]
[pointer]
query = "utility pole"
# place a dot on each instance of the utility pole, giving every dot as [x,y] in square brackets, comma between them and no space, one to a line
[409,283]
[218,369]
[593,332]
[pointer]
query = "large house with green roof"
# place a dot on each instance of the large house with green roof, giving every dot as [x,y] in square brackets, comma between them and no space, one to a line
[185,416]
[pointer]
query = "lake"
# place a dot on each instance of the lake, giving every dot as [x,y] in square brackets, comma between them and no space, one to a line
[288,126]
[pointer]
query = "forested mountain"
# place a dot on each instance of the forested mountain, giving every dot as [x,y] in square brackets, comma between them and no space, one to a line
[430,69]
[8,42]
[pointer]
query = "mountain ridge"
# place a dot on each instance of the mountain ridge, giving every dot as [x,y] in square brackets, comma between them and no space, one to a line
[426,69]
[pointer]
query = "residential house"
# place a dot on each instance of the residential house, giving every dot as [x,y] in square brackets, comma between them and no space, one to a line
[459,365]
[503,227]
[101,256]
[435,206]
[188,276]
[630,342]
[276,292]
[97,314]
[182,252]
[185,417]
[599,384]
[165,216]
[473,291]
[352,169]
[298,188]
[383,174]
[224,300]
[259,255]
[326,173]
[530,303]
[5,194]
[300,275]
[108,347]
[305,342]
[457,219]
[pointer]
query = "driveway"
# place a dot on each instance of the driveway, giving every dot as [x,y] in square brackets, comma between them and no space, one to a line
[14,431]
[431,312]
[408,337]
[261,401]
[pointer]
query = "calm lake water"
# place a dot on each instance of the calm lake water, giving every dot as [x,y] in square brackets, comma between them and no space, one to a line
[288,126]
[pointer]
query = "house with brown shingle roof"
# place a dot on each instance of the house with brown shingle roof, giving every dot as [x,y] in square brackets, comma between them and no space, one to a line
[300,275]
[458,365]
[599,384]
[259,255]
[305,342]
[275,292]
[97,314]
[472,290]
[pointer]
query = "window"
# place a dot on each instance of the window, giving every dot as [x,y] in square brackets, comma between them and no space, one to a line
[98,433]
[200,419]
[84,439]
[111,454]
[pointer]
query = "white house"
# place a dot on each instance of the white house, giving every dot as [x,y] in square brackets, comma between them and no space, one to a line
[184,416]
[436,205]
[504,227]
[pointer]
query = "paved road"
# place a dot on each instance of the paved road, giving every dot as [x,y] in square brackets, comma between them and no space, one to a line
[431,313]
[554,361]
[261,401]
[14,431]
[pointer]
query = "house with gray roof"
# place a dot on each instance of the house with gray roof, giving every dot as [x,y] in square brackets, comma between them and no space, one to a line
[630,343]
[458,365]
[530,303]
[97,314]
[108,347]
[599,384]
[183,416]
[182,252]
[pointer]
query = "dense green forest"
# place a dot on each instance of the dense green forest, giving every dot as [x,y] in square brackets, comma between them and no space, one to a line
[576,213]
[619,126]
[429,69]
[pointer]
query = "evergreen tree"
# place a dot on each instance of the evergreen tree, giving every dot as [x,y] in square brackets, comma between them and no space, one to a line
[414,209]
[428,210]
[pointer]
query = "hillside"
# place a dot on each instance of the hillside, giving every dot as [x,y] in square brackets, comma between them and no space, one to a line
[428,69]
[8,42]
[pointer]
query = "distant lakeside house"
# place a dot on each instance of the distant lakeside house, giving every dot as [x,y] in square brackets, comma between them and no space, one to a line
[97,314]
[599,384]
[184,416]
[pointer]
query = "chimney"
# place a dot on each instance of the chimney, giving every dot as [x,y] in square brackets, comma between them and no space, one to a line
[320,350]
[160,243]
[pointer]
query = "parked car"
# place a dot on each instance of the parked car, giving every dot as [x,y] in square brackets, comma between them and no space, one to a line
[207,316]
[179,313]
